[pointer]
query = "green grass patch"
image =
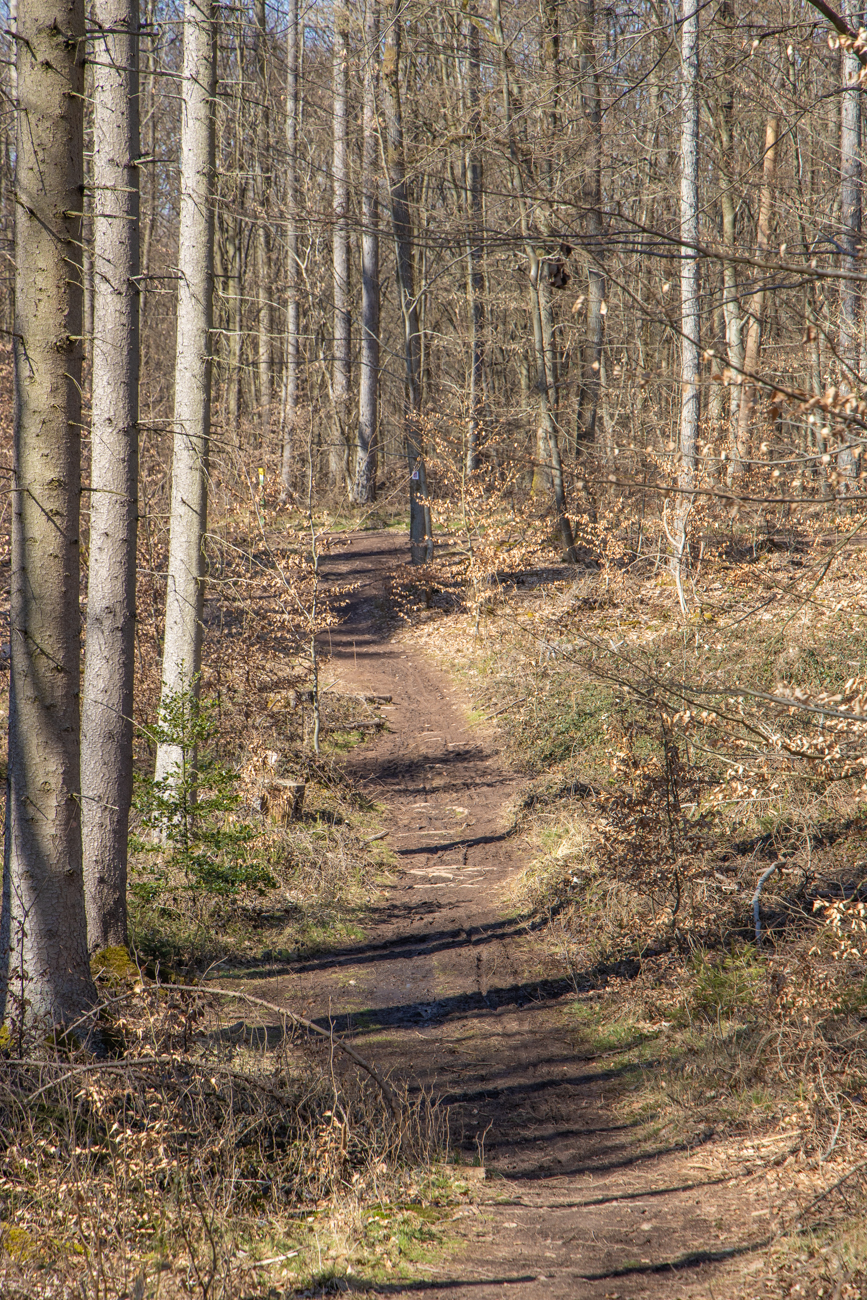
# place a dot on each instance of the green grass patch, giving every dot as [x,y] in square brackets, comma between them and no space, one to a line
[340,742]
[565,722]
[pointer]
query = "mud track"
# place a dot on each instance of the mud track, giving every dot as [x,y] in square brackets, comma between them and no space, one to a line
[449,993]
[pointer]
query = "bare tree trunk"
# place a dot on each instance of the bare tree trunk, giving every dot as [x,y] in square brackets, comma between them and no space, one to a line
[182,649]
[106,718]
[850,219]
[547,445]
[746,407]
[340,246]
[293,305]
[689,289]
[148,127]
[475,252]
[730,302]
[591,352]
[264,315]
[87,258]
[420,534]
[234,283]
[368,396]
[264,325]
[43,936]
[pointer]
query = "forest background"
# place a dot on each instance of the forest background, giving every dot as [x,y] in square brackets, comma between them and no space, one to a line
[584,285]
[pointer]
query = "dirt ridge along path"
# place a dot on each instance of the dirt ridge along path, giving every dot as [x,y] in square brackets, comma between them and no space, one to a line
[449,993]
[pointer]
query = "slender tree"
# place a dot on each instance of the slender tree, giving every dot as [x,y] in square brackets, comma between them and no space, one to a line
[420,531]
[264,289]
[364,489]
[293,302]
[724,120]
[548,462]
[340,243]
[752,345]
[475,247]
[591,352]
[850,220]
[689,287]
[182,648]
[234,293]
[106,715]
[43,926]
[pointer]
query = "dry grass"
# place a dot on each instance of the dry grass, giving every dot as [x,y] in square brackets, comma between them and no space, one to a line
[323,873]
[201,1156]
[658,797]
[199,1146]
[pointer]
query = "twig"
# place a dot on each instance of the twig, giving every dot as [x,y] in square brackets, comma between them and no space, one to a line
[757,896]
[511,705]
[817,1200]
[387,1092]
[119,1066]
[139,1063]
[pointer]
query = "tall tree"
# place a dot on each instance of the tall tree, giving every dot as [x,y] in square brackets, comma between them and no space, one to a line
[294,41]
[475,247]
[340,243]
[591,352]
[548,459]
[182,647]
[689,287]
[724,121]
[43,926]
[850,219]
[420,530]
[364,488]
[264,315]
[106,715]
[752,345]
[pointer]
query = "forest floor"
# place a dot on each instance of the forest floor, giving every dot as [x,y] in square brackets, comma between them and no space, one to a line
[451,992]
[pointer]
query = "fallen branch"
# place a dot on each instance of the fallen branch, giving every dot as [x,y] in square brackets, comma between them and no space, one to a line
[385,1089]
[152,1061]
[757,901]
[511,705]
[140,1063]
[798,1220]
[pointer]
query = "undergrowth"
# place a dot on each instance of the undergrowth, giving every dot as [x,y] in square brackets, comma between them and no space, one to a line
[697,812]
[207,1149]
[204,1154]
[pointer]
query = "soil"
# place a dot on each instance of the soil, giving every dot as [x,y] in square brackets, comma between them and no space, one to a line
[451,993]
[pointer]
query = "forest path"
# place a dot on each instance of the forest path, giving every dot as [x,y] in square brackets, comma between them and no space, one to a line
[449,993]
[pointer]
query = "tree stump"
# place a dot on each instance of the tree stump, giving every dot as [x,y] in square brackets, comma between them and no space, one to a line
[283,801]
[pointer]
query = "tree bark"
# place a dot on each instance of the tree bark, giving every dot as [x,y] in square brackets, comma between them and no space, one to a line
[42,926]
[420,533]
[475,250]
[547,445]
[689,289]
[340,246]
[293,305]
[264,313]
[106,719]
[594,320]
[850,238]
[746,407]
[234,284]
[182,649]
[364,489]
[730,301]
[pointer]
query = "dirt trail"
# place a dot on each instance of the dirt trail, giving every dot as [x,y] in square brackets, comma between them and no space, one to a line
[448,992]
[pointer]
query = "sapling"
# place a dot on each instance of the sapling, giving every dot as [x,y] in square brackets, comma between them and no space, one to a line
[191,838]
